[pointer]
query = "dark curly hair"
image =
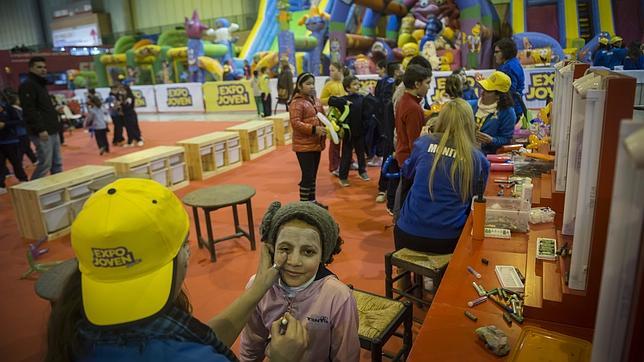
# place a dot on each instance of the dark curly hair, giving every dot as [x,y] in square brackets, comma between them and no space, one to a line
[507,47]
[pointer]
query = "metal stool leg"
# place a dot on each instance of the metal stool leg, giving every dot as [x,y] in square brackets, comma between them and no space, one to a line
[251,225]
[211,244]
[376,353]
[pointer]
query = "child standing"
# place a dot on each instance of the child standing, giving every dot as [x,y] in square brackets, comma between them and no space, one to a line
[359,113]
[309,134]
[333,87]
[306,289]
[266,91]
[254,82]
[96,120]
[21,128]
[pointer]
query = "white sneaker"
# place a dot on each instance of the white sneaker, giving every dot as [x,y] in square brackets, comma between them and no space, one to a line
[140,143]
[3,190]
[354,166]
[382,197]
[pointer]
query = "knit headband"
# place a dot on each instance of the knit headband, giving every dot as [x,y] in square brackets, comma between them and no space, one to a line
[301,77]
[278,215]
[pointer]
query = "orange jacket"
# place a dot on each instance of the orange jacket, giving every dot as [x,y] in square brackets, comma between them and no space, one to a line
[302,112]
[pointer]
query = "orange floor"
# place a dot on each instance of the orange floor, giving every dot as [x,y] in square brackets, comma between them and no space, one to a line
[211,286]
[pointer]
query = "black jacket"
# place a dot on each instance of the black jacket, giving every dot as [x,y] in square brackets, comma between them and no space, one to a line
[8,115]
[360,110]
[38,111]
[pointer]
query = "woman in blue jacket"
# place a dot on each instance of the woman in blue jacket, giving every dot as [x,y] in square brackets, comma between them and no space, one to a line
[444,167]
[505,56]
[494,115]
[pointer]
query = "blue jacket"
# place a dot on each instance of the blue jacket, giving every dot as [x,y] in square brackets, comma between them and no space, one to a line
[634,64]
[514,70]
[154,351]
[500,126]
[443,216]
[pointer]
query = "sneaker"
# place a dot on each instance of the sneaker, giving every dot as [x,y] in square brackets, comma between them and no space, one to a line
[320,204]
[364,176]
[3,190]
[126,145]
[140,143]
[336,173]
[344,183]
[390,211]
[382,197]
[354,166]
[375,162]
[101,151]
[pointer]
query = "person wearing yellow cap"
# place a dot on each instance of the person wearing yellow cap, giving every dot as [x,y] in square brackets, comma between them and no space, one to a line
[125,300]
[601,57]
[494,112]
[617,41]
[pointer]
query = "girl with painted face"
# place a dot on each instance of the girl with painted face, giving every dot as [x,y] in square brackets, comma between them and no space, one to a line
[306,289]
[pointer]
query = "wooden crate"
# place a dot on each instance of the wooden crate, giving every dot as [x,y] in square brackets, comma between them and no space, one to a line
[282,128]
[257,138]
[164,164]
[46,207]
[211,154]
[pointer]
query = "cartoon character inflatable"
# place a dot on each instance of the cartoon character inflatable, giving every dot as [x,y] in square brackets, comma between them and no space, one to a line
[194,29]
[422,10]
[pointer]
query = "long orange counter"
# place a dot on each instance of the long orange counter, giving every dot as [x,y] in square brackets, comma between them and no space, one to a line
[446,334]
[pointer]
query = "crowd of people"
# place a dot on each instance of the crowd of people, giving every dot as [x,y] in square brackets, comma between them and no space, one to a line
[612,54]
[294,308]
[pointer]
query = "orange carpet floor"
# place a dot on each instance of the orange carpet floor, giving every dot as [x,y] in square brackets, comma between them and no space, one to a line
[211,286]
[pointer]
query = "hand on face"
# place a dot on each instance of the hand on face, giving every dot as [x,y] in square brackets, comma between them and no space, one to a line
[268,268]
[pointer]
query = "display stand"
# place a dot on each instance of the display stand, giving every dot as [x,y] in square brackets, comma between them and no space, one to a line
[548,296]
[282,127]
[46,207]
[212,154]
[257,138]
[164,164]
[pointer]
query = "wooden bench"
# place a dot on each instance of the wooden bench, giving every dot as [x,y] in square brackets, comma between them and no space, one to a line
[164,164]
[257,138]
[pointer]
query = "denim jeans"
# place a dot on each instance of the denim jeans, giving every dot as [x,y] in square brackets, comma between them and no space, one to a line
[49,156]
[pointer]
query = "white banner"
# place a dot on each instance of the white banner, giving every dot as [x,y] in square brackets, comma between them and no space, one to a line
[179,97]
[144,99]
[81,35]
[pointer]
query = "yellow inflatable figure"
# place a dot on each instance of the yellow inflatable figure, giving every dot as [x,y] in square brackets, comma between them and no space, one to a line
[406,29]
[544,113]
[447,60]
[418,34]
[409,51]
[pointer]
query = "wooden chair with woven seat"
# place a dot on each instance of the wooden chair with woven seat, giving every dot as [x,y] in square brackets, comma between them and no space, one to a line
[379,319]
[421,265]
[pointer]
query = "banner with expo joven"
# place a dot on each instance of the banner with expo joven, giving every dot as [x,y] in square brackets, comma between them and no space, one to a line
[179,97]
[229,96]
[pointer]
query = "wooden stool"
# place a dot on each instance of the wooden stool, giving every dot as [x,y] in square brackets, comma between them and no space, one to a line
[421,264]
[379,318]
[216,197]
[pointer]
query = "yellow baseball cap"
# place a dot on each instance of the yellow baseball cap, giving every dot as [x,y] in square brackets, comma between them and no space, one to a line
[615,39]
[603,41]
[497,81]
[126,239]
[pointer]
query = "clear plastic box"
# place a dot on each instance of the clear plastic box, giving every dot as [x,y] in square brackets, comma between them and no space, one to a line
[507,203]
[515,220]
[233,155]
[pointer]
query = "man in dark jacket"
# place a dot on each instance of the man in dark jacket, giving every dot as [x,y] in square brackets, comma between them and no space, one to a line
[41,119]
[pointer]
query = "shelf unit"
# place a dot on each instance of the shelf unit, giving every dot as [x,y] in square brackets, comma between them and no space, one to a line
[282,127]
[164,164]
[548,294]
[46,207]
[211,154]
[257,138]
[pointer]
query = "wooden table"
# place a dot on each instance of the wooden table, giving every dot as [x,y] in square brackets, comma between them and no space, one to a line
[216,197]
[446,334]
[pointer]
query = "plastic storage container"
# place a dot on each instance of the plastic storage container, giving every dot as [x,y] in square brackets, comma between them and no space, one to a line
[157,164]
[140,170]
[219,146]
[537,344]
[161,177]
[178,173]
[52,199]
[511,213]
[76,206]
[234,155]
[79,191]
[260,132]
[269,139]
[219,158]
[175,159]
[261,142]
[57,218]
[233,142]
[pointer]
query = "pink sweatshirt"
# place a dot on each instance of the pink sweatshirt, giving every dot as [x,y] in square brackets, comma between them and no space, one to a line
[327,309]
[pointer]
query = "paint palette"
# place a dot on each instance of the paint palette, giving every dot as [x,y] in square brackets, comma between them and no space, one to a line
[546,249]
